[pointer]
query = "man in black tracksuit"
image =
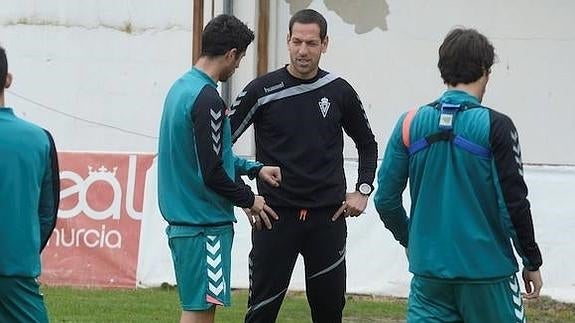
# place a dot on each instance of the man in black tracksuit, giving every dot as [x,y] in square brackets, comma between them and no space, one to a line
[299,113]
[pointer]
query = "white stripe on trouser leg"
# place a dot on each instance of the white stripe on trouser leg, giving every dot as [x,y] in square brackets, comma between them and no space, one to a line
[517,300]
[216,281]
[330,268]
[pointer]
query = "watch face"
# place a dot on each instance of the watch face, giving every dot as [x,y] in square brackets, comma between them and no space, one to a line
[364,188]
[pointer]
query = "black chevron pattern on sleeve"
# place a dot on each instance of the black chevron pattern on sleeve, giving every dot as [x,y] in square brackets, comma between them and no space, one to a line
[507,153]
[208,115]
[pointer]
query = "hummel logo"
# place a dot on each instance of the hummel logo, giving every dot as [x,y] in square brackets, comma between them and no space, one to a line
[216,126]
[514,136]
[517,151]
[215,276]
[214,262]
[213,249]
[215,115]
[216,289]
[274,87]
[236,103]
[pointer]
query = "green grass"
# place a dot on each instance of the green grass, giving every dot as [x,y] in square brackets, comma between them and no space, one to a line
[161,305]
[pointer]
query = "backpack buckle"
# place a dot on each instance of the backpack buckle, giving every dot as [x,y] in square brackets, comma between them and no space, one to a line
[447,115]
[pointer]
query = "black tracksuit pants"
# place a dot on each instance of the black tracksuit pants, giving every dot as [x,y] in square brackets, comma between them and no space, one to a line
[321,242]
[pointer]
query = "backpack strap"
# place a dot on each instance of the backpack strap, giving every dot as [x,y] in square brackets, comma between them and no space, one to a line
[446,134]
[406,126]
[419,144]
[472,147]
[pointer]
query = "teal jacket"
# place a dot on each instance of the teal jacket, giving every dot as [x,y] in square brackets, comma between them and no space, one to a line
[465,209]
[198,174]
[29,194]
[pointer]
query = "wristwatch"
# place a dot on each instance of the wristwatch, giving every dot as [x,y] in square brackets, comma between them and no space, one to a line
[364,188]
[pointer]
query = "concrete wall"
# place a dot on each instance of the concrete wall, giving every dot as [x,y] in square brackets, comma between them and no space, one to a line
[376,263]
[388,51]
[111,62]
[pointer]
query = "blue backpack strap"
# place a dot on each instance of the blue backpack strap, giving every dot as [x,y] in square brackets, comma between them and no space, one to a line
[417,146]
[472,147]
[447,116]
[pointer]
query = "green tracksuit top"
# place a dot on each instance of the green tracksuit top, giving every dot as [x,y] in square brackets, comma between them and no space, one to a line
[465,209]
[197,169]
[29,194]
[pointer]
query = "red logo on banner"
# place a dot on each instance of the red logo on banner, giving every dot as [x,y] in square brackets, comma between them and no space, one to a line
[95,242]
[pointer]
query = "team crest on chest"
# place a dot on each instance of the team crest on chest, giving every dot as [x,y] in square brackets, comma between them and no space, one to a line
[324,106]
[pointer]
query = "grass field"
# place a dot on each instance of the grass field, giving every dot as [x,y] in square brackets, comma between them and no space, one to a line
[161,305]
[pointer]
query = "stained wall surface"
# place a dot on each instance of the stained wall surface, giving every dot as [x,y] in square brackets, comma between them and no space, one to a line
[96,73]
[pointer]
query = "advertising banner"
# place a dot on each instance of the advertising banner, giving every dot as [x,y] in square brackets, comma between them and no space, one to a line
[96,239]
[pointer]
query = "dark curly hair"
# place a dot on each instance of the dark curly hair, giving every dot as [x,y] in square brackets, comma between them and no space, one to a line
[3,69]
[224,33]
[465,56]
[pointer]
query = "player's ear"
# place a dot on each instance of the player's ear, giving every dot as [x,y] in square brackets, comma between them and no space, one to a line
[8,81]
[324,44]
[234,52]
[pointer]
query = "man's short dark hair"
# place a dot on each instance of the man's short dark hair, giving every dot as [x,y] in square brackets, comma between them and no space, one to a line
[224,33]
[309,16]
[464,56]
[3,68]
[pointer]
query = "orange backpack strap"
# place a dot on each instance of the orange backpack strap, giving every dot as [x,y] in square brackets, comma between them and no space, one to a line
[406,126]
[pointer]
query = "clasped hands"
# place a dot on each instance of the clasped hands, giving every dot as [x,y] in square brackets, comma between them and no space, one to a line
[260,212]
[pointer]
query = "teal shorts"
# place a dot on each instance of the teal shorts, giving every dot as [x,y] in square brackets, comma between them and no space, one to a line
[434,300]
[202,261]
[21,301]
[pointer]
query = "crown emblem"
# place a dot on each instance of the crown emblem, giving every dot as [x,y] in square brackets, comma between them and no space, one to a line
[324,106]
[102,171]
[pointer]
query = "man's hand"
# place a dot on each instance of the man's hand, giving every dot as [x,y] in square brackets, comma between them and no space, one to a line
[258,215]
[533,283]
[354,205]
[258,205]
[271,175]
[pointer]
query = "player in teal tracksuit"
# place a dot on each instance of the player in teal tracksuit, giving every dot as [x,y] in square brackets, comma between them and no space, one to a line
[198,174]
[469,199]
[29,197]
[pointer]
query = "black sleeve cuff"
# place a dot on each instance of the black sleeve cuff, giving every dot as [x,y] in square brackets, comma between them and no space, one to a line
[253,173]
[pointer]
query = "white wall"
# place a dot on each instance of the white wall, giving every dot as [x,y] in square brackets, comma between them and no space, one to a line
[376,263]
[112,62]
[394,67]
[107,61]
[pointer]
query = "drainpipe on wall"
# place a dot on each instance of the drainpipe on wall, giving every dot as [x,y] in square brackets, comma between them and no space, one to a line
[227,86]
[197,27]
[263,34]
[228,7]
[262,37]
